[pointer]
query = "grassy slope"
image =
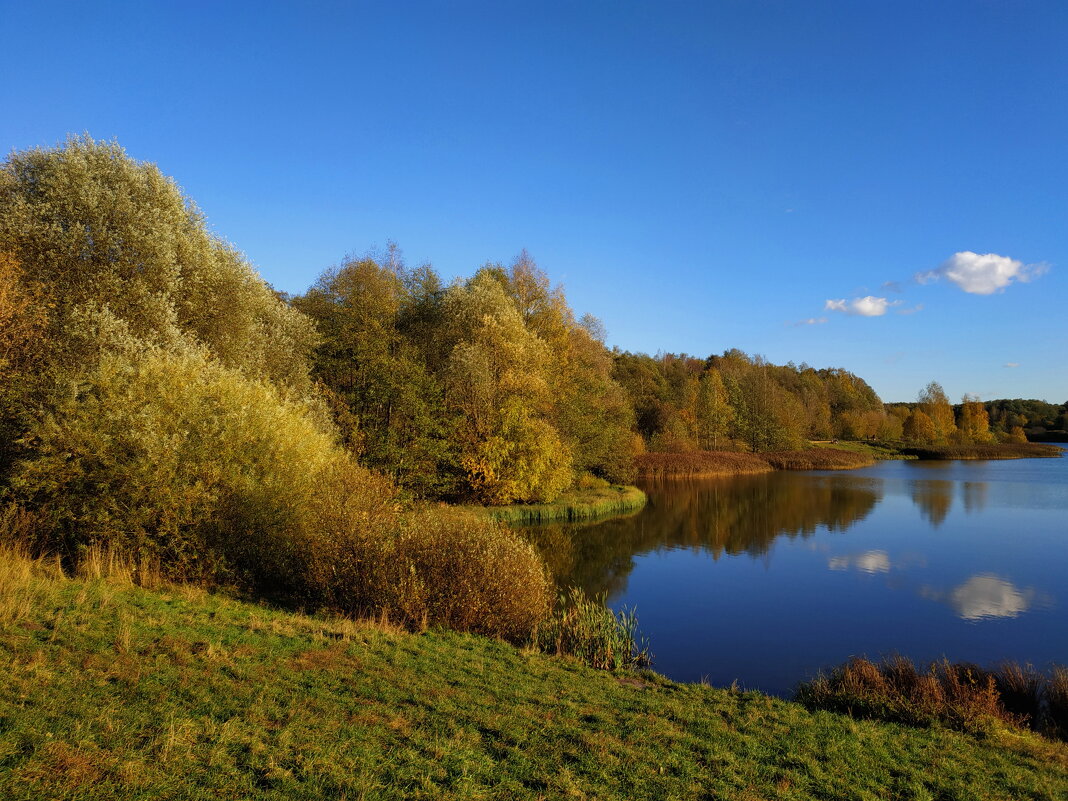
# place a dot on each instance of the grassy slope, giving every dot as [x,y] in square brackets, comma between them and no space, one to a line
[109,691]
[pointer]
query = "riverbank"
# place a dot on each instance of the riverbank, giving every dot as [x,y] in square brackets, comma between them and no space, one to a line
[605,500]
[114,691]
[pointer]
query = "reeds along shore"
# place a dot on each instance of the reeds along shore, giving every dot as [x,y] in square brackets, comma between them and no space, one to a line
[608,501]
[1002,450]
[960,695]
[698,464]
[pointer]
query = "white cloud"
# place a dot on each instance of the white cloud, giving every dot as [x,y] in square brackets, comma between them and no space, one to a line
[983,274]
[1011,364]
[987,596]
[868,306]
[867,562]
[812,321]
[917,308]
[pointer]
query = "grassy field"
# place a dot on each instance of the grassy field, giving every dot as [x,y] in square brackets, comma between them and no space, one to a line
[575,505]
[110,691]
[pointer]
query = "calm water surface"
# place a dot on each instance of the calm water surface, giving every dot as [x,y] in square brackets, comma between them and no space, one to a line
[767,579]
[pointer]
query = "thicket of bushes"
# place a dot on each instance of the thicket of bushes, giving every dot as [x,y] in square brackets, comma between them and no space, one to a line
[157,401]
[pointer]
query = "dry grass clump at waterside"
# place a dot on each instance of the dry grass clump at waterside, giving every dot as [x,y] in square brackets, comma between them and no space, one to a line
[962,696]
[1001,450]
[111,691]
[818,459]
[591,498]
[696,464]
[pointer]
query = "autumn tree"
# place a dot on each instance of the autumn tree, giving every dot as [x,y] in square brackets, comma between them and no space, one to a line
[974,421]
[496,381]
[919,428]
[936,406]
[121,256]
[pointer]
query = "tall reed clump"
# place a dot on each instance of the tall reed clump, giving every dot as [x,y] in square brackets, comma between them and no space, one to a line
[818,459]
[585,628]
[1001,450]
[694,464]
[960,695]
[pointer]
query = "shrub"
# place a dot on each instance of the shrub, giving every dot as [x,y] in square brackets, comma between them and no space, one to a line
[173,457]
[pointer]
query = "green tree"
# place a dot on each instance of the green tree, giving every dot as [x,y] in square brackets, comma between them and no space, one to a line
[714,412]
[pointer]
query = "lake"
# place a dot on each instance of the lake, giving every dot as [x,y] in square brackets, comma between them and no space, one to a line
[766,579]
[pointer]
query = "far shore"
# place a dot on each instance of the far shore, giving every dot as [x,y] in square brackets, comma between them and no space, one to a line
[823,456]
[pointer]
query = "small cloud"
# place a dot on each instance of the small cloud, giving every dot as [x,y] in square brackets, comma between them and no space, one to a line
[917,308]
[789,211]
[985,596]
[867,562]
[1011,364]
[868,306]
[891,286]
[811,321]
[983,274]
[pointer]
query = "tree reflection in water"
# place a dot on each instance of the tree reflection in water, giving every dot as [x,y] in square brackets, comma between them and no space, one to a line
[732,515]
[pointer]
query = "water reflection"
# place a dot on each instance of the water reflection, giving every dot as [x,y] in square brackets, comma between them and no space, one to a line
[985,596]
[934,499]
[867,562]
[768,579]
[975,495]
[732,516]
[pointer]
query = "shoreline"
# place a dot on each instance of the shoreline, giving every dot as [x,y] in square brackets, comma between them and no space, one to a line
[850,456]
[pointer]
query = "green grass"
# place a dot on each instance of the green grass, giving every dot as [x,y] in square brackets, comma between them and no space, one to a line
[880,451]
[111,691]
[609,500]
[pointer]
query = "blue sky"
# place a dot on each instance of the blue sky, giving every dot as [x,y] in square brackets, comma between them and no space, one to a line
[760,175]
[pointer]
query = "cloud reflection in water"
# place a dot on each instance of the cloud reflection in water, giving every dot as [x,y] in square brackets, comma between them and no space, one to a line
[986,596]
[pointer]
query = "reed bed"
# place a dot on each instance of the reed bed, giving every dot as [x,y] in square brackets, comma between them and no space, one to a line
[960,695]
[611,500]
[586,629]
[699,464]
[818,459]
[1003,450]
